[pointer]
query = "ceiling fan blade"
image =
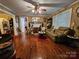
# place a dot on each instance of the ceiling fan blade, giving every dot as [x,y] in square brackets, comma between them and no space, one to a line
[52,5]
[32,2]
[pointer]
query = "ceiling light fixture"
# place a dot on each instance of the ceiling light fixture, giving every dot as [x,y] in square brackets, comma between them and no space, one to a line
[33,11]
[40,11]
[37,11]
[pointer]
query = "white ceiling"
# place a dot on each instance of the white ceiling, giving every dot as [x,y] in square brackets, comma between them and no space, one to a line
[24,7]
[52,1]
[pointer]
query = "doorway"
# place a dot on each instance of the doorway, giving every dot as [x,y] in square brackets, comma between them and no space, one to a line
[6,23]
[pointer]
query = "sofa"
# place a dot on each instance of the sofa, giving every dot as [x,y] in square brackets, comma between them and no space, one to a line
[5,38]
[56,32]
[63,36]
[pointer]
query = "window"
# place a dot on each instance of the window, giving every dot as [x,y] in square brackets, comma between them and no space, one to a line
[62,19]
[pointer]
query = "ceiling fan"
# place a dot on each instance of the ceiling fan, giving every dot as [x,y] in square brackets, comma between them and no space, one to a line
[37,8]
[37,5]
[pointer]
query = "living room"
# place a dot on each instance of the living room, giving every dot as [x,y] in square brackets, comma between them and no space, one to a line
[36,35]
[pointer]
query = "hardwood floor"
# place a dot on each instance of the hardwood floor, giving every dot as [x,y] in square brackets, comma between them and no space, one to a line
[32,47]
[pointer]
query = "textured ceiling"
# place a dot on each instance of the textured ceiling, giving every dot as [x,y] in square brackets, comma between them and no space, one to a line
[25,7]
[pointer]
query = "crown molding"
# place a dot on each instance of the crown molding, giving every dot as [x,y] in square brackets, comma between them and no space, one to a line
[3,7]
[77,1]
[62,9]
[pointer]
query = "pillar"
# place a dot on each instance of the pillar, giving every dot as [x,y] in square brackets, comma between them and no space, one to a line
[22,23]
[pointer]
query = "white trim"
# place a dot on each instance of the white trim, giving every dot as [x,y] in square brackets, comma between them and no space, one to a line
[7,12]
[6,7]
[73,3]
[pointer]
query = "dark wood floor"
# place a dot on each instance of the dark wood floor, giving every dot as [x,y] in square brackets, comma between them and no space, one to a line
[32,47]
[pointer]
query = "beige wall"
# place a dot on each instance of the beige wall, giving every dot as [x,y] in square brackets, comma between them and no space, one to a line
[1,25]
[5,16]
[75,18]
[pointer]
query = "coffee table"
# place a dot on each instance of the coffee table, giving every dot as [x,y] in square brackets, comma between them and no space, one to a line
[42,35]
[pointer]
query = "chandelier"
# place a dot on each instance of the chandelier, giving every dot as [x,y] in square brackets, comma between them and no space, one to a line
[38,10]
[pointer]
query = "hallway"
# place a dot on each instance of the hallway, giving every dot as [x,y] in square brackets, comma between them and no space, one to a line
[32,47]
